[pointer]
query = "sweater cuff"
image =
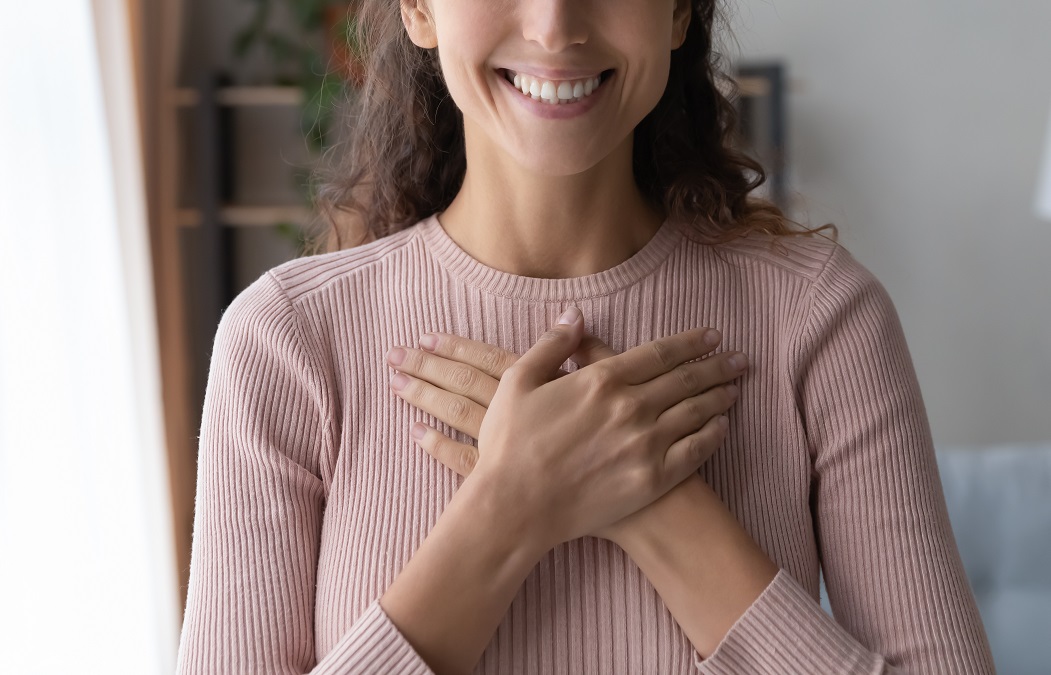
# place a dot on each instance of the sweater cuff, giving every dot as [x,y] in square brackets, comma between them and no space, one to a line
[373,646]
[786,631]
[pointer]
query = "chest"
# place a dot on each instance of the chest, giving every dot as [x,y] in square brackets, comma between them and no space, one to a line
[585,607]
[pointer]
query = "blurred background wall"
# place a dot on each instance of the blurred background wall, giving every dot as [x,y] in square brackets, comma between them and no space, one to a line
[917,127]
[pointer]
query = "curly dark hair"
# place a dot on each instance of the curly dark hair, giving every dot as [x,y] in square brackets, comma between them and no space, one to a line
[402,157]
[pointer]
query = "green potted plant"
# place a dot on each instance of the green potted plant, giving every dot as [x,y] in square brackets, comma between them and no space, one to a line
[317,52]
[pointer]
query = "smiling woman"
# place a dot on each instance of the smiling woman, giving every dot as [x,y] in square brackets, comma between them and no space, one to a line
[646,411]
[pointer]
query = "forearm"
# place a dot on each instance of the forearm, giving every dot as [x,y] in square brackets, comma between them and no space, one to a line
[453,593]
[705,567]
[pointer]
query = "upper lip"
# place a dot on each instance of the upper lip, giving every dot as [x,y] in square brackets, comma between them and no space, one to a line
[556,74]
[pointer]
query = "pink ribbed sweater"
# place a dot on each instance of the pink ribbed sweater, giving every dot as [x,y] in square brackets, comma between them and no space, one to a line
[312,496]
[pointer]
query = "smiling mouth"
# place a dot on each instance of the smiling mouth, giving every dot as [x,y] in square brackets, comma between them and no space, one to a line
[555,92]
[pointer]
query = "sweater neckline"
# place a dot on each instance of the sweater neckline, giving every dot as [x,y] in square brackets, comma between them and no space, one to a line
[459,262]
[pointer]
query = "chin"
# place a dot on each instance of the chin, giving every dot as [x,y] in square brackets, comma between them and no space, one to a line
[548,168]
[565,163]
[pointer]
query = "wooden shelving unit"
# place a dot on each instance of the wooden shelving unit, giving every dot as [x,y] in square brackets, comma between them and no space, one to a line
[241,96]
[250,216]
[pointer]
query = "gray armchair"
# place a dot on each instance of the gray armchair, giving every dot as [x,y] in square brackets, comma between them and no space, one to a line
[999,501]
[1000,505]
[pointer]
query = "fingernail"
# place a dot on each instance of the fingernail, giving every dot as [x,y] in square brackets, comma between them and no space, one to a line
[418,431]
[570,316]
[733,391]
[429,342]
[738,361]
[399,381]
[712,337]
[395,356]
[723,422]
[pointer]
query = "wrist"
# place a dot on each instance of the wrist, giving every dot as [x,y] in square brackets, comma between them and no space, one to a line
[450,597]
[510,527]
[642,530]
[704,565]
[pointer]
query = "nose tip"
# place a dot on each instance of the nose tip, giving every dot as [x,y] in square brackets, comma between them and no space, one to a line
[554,24]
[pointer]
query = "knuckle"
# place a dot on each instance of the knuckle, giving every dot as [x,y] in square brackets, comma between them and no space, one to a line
[597,390]
[414,360]
[663,354]
[438,447]
[709,442]
[553,335]
[650,479]
[458,350]
[457,411]
[628,405]
[699,449]
[466,459]
[603,376]
[463,378]
[649,444]
[514,374]
[494,361]
[696,409]
[688,378]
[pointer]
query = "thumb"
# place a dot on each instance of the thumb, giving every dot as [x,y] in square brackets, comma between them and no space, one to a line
[541,363]
[591,350]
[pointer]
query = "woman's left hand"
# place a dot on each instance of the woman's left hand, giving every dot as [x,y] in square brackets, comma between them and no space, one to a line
[454,379]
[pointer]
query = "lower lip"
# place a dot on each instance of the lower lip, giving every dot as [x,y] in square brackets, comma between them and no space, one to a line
[557,111]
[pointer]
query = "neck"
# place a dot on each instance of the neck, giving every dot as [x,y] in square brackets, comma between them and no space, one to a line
[555,227]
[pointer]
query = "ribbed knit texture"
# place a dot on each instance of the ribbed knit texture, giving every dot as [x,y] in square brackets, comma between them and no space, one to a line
[312,495]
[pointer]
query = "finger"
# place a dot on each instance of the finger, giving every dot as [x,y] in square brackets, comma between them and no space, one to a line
[452,376]
[693,378]
[592,350]
[647,361]
[459,457]
[688,454]
[457,411]
[487,358]
[543,360]
[689,416]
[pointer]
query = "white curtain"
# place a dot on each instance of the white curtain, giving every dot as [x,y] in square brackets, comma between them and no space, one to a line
[87,578]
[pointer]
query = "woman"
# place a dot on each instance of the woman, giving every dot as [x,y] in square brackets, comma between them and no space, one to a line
[523,160]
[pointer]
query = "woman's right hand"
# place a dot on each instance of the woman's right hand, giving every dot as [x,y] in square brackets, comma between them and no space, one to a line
[572,455]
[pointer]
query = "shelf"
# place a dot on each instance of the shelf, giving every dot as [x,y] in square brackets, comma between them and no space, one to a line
[251,216]
[753,86]
[186,97]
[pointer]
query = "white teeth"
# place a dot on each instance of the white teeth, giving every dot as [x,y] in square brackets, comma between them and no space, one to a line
[547,92]
[552,92]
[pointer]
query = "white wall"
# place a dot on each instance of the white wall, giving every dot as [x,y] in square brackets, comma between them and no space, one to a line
[917,127]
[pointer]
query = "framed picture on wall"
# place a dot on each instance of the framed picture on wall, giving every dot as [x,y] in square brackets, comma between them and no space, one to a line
[763,128]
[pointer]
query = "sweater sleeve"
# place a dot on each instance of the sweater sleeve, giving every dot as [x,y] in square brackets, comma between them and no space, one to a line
[895,581]
[265,434]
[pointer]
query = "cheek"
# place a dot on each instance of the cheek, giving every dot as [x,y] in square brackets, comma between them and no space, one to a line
[646,82]
[464,55]
[464,77]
